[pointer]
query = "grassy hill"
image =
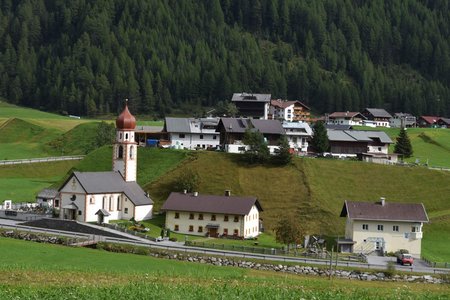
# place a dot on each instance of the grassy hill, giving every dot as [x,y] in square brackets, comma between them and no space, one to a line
[42,271]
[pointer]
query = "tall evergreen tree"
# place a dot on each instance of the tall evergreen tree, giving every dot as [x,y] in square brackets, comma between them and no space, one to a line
[320,141]
[403,145]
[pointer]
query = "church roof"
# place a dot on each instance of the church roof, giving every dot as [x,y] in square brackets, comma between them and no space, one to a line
[126,120]
[111,182]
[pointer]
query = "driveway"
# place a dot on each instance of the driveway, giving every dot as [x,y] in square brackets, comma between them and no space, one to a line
[382,261]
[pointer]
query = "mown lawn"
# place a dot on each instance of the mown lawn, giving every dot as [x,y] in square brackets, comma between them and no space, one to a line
[41,271]
[436,239]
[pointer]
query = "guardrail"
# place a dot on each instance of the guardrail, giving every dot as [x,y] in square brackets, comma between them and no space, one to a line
[434,264]
[40,160]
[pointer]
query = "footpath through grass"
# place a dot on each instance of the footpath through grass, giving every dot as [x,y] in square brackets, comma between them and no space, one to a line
[42,271]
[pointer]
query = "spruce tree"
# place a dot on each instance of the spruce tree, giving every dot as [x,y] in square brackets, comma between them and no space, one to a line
[403,145]
[320,140]
[283,156]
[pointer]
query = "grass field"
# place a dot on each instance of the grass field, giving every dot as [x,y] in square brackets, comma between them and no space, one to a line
[21,183]
[41,271]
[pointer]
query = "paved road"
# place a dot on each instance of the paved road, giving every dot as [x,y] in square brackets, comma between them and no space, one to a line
[177,246]
[418,266]
[38,160]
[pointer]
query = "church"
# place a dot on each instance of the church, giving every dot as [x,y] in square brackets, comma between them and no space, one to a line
[113,195]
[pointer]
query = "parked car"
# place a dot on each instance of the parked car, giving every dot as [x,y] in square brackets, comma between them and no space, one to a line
[405,259]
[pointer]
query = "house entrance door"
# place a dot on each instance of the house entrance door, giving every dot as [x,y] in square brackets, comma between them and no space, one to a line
[212,232]
[72,214]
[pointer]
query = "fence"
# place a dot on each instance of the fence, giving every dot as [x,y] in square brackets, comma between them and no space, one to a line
[40,160]
[434,264]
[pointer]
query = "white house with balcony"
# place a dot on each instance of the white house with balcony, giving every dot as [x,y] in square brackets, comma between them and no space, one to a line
[213,215]
[349,118]
[298,135]
[380,227]
[192,133]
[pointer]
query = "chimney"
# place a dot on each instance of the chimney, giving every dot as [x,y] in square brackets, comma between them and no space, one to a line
[228,193]
[382,201]
[195,194]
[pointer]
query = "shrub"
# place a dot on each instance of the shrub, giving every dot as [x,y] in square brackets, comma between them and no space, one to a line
[390,269]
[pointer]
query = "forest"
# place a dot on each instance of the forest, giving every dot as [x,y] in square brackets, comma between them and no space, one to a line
[84,57]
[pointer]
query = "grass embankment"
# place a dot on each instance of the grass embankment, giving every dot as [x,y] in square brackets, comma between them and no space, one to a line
[430,145]
[42,271]
[21,183]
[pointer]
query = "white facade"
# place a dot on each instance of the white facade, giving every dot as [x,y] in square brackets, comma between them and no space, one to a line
[239,147]
[345,121]
[388,236]
[298,135]
[203,224]
[125,154]
[193,141]
[378,149]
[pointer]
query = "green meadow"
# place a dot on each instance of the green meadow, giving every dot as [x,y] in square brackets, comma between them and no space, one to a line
[42,271]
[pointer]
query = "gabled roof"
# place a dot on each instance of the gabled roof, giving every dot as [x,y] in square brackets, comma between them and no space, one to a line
[188,125]
[407,212]
[358,136]
[445,120]
[210,204]
[338,126]
[378,112]
[110,182]
[240,125]
[346,114]
[301,126]
[251,97]
[430,119]
[284,104]
[48,193]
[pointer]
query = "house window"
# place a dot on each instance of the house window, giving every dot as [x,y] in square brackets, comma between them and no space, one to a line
[365,226]
[56,203]
[380,227]
[79,213]
[415,229]
[395,228]
[191,216]
[200,216]
[201,136]
[177,215]
[191,228]
[236,218]
[126,210]
[213,217]
[236,232]
[225,218]
[225,231]
[181,136]
[200,228]
[92,200]
[214,137]
[241,148]
[176,228]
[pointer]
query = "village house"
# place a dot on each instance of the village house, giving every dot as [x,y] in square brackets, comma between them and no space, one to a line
[150,136]
[291,111]
[376,117]
[370,146]
[48,198]
[403,120]
[349,118]
[212,215]
[427,121]
[232,132]
[252,105]
[192,133]
[113,195]
[298,135]
[380,227]
[444,122]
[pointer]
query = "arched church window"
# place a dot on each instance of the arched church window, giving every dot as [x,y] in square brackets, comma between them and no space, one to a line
[120,136]
[131,152]
[118,202]
[110,208]
[126,136]
[120,154]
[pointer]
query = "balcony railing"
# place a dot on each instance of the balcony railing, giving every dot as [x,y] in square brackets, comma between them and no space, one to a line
[416,235]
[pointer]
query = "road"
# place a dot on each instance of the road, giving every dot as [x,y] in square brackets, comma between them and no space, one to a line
[38,160]
[373,262]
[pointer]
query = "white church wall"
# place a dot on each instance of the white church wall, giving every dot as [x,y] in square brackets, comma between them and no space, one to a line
[143,212]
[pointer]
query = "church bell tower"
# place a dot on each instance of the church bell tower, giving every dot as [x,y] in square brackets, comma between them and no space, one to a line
[125,148]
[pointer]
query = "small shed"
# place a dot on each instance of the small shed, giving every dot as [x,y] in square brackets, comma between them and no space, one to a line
[48,198]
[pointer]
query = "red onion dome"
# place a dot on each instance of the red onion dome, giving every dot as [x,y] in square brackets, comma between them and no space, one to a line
[126,120]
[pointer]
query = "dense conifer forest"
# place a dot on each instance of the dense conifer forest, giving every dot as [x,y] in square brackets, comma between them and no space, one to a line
[84,56]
